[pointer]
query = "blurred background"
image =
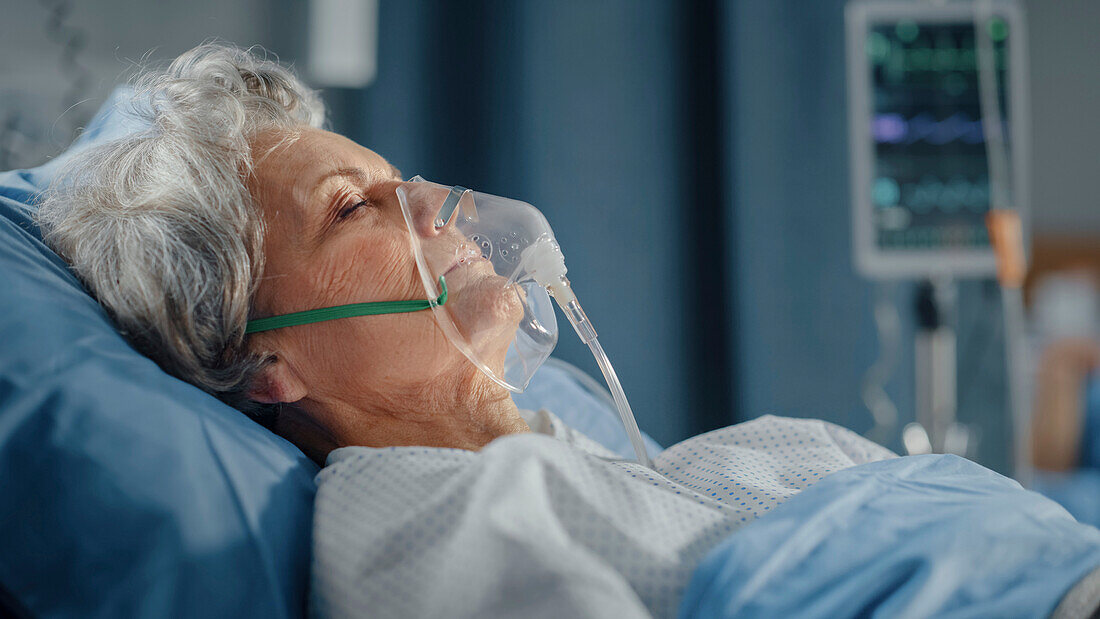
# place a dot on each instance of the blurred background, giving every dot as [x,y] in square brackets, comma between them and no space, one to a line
[693,158]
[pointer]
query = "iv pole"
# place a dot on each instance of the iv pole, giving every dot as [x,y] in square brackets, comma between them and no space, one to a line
[937,429]
[1006,234]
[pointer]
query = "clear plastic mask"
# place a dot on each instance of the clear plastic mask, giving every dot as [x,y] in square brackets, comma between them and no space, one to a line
[496,314]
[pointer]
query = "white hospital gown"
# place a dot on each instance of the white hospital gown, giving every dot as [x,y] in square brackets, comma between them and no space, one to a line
[550,524]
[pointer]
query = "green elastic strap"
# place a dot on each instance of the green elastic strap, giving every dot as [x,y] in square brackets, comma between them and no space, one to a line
[347,311]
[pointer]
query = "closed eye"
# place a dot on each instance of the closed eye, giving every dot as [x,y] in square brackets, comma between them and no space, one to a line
[348,211]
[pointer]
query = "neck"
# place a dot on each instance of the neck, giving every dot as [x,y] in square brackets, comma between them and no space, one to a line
[468,414]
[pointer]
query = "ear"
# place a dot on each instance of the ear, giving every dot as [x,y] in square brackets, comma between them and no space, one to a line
[277,383]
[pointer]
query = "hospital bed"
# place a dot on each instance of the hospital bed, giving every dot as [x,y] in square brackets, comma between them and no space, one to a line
[126,492]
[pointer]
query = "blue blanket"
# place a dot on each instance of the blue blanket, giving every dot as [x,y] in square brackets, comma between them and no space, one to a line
[910,537]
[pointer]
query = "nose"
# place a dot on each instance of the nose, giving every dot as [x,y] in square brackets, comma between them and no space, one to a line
[433,209]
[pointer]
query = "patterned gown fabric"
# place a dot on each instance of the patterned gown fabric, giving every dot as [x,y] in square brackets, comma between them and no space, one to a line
[550,524]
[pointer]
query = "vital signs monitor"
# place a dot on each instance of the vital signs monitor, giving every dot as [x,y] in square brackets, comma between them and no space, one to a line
[936,119]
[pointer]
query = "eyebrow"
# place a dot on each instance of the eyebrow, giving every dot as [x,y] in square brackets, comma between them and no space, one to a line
[356,173]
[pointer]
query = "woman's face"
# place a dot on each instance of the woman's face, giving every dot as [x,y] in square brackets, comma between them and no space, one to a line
[335,235]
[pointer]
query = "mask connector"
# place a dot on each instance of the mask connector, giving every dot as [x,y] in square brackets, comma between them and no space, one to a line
[546,264]
[575,313]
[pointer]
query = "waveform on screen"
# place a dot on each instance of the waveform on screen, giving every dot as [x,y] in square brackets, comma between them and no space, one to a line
[933,193]
[924,59]
[896,129]
[938,51]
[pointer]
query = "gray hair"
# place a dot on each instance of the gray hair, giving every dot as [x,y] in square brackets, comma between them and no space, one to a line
[160,225]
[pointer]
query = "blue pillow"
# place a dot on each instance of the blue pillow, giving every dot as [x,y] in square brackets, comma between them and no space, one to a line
[126,492]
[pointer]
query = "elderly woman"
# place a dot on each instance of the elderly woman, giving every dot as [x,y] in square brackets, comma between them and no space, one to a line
[439,497]
[236,204]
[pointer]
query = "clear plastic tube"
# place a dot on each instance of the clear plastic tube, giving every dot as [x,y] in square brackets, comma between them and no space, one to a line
[587,333]
[625,413]
[594,387]
[546,265]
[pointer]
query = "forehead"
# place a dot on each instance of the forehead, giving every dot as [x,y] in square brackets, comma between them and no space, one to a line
[292,168]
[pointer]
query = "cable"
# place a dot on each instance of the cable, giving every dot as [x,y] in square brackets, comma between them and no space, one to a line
[1002,197]
[888,327]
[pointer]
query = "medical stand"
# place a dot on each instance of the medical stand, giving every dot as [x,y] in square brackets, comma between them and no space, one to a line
[893,238]
[936,429]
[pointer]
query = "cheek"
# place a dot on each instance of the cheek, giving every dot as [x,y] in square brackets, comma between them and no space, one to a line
[350,358]
[353,359]
[378,267]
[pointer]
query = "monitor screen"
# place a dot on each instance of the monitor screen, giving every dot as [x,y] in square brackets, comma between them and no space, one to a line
[929,183]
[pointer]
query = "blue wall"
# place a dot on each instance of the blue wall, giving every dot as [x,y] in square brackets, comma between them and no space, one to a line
[804,333]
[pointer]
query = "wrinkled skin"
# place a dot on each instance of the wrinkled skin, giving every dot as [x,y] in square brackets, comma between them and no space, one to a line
[335,235]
